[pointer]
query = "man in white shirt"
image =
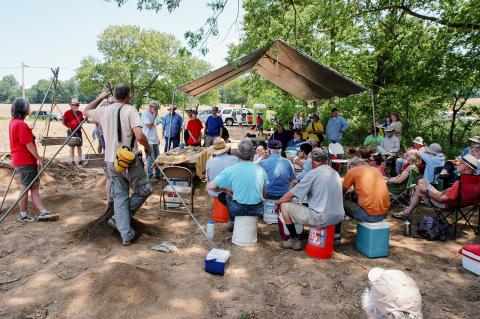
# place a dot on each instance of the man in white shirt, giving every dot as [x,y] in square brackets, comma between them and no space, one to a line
[149,129]
[390,143]
[122,127]
[297,121]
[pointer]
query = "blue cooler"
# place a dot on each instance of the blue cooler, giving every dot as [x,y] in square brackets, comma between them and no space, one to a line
[373,239]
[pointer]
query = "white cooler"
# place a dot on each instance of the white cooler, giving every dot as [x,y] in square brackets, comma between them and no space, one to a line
[471,258]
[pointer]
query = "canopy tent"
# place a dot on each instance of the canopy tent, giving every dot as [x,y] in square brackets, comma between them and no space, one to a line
[284,66]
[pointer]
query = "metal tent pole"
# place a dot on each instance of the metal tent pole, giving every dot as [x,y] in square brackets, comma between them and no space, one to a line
[373,114]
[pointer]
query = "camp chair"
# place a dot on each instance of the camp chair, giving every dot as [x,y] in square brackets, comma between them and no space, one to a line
[182,180]
[466,205]
[437,181]
[336,156]
[402,194]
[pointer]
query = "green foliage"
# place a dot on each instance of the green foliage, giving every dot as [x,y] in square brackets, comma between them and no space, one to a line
[152,63]
[9,89]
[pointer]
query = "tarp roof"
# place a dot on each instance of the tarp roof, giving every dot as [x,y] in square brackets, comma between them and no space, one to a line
[284,66]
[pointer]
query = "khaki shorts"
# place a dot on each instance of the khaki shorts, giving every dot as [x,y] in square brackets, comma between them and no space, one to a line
[299,214]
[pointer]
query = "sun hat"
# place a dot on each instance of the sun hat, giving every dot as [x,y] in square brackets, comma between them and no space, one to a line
[274,144]
[318,154]
[154,104]
[171,107]
[390,129]
[392,290]
[74,101]
[418,140]
[434,149]
[475,139]
[219,146]
[470,161]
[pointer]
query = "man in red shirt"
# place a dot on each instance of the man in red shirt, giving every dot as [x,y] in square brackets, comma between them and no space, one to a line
[72,119]
[26,160]
[194,128]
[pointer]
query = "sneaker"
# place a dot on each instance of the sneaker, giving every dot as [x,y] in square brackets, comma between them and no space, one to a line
[25,217]
[80,162]
[46,215]
[292,243]
[129,242]
[230,226]
[399,215]
[111,223]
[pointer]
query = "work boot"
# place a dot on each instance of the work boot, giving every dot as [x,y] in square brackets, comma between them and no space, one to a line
[111,223]
[292,243]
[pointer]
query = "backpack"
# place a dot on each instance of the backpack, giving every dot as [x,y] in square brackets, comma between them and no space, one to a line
[432,228]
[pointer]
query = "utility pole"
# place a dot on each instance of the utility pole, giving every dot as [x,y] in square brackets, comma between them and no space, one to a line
[23,79]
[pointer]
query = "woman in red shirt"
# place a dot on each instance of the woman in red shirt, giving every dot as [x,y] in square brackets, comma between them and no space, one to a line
[194,128]
[26,160]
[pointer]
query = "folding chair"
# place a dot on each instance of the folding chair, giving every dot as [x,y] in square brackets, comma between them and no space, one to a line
[437,181]
[466,205]
[402,194]
[178,176]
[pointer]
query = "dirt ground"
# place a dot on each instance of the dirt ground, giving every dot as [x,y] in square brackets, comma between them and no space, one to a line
[51,270]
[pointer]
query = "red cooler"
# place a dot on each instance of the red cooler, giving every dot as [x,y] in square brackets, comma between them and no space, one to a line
[320,242]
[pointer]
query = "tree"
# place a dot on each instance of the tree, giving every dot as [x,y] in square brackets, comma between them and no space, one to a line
[152,63]
[9,89]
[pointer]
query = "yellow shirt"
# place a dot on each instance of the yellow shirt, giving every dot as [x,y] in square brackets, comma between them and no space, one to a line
[314,127]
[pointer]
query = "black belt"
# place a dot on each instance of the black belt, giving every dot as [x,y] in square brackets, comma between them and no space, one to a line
[248,205]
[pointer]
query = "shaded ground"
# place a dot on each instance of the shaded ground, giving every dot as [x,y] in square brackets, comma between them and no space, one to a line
[48,272]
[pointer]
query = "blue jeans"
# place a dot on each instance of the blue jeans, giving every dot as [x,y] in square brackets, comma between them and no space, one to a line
[174,142]
[399,163]
[352,209]
[237,209]
[150,160]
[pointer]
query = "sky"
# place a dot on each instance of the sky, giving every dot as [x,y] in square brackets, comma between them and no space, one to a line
[51,33]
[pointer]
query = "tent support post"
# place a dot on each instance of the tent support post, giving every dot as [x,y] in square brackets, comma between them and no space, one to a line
[171,118]
[373,114]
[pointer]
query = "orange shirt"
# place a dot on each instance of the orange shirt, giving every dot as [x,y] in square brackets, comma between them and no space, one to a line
[370,187]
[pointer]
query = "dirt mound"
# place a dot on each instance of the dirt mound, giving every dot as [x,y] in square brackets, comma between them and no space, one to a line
[114,288]
[97,185]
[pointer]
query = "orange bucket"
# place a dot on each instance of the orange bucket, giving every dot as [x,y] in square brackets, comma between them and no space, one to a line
[219,212]
[320,242]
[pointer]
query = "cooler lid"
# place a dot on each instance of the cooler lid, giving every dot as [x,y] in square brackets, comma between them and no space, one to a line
[378,225]
[474,249]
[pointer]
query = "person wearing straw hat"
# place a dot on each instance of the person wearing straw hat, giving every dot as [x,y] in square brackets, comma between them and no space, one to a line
[391,294]
[433,158]
[221,159]
[243,185]
[417,147]
[474,142]
[475,151]
[322,189]
[172,126]
[72,119]
[467,165]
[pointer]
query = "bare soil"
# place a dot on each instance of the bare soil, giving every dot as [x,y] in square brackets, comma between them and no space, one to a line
[54,270]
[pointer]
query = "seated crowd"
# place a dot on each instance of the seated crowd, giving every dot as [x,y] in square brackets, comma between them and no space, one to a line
[292,169]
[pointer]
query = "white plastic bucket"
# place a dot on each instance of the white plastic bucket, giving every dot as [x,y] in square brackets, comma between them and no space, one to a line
[245,231]
[269,216]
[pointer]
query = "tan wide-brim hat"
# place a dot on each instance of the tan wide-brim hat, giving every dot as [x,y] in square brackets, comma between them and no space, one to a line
[470,161]
[475,139]
[392,290]
[418,140]
[74,102]
[219,146]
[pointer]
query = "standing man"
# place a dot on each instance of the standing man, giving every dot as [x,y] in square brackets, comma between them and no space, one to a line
[297,121]
[149,129]
[213,127]
[71,119]
[243,183]
[172,126]
[335,127]
[122,127]
[323,190]
[280,171]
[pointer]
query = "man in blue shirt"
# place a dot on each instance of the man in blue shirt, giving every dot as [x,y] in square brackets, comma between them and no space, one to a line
[335,127]
[433,158]
[243,185]
[280,171]
[213,127]
[172,126]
